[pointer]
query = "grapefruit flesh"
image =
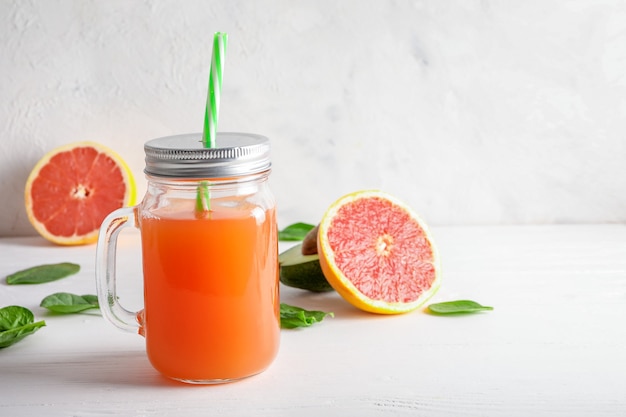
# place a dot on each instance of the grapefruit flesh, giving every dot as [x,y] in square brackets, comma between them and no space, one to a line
[377,253]
[73,188]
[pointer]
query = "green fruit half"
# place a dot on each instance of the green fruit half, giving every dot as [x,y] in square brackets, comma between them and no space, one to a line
[302,271]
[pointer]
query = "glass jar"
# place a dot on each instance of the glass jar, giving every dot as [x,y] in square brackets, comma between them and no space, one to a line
[209,255]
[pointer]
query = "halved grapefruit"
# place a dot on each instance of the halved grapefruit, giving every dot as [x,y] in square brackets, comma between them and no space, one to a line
[377,253]
[73,188]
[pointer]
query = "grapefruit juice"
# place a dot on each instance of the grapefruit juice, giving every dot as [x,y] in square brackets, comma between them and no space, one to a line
[211,302]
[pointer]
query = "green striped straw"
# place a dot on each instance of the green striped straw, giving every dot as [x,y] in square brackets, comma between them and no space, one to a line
[215,88]
[211,114]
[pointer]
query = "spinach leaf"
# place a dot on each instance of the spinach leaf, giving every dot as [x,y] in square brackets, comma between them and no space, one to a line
[16,323]
[15,316]
[67,303]
[294,232]
[457,307]
[292,316]
[43,273]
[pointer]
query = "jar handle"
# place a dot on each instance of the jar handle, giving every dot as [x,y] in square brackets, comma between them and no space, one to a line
[110,307]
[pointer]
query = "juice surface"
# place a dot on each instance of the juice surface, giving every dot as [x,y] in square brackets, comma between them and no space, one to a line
[211,293]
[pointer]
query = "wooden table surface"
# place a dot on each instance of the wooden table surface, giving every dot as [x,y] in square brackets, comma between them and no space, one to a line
[554,345]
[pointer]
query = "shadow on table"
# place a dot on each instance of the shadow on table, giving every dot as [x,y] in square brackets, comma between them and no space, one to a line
[120,368]
[327,301]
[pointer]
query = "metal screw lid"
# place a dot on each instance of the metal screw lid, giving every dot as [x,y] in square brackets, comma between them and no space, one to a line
[184,156]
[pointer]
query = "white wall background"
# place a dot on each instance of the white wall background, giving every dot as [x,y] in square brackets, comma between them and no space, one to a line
[471,111]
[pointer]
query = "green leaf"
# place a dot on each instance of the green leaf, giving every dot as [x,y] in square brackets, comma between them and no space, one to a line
[67,303]
[43,273]
[294,232]
[10,337]
[292,317]
[16,323]
[91,299]
[15,316]
[457,307]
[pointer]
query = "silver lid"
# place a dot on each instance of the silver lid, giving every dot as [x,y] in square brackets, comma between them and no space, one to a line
[184,156]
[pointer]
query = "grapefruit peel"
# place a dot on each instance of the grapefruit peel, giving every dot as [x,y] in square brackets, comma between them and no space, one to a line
[344,259]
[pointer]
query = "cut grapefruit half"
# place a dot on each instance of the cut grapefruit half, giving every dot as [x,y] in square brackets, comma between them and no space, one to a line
[377,253]
[73,188]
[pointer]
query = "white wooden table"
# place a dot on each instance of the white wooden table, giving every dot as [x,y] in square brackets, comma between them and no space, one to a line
[555,345]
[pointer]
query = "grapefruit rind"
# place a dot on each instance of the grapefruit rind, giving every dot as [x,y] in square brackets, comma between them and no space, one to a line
[87,238]
[344,286]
